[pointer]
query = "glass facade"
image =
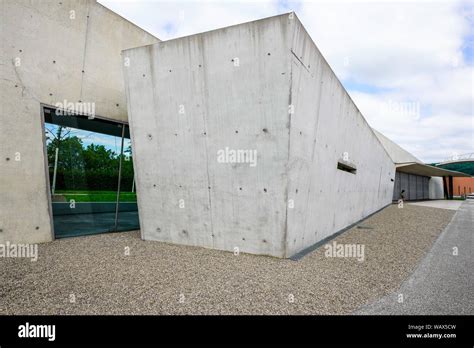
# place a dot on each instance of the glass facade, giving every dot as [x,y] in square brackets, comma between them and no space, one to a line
[89,159]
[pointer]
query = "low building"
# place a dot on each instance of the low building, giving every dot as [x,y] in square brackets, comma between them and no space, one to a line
[462,187]
[243,138]
[313,166]
[415,180]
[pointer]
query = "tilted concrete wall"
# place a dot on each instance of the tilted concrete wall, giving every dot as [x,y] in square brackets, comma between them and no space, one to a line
[327,127]
[395,151]
[260,86]
[190,98]
[51,51]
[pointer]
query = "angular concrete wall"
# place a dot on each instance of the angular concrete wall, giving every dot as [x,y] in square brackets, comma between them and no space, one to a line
[190,98]
[82,62]
[395,151]
[327,127]
[259,86]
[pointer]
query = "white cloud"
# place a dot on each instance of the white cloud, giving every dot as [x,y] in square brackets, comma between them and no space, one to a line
[171,19]
[411,51]
[403,38]
[398,53]
[431,137]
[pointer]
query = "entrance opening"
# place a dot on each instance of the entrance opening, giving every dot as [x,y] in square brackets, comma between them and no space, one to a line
[91,175]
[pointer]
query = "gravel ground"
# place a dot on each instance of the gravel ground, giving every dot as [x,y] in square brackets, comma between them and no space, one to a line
[443,283]
[159,278]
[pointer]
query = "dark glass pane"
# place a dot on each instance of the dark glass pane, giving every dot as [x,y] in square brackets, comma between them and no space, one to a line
[83,160]
[128,209]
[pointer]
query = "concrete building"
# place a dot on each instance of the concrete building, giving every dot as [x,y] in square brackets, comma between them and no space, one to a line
[264,89]
[464,163]
[463,186]
[52,51]
[415,180]
[243,137]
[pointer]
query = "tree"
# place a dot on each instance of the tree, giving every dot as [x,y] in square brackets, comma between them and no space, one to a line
[99,157]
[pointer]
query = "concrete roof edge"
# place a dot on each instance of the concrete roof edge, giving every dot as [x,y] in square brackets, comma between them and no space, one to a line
[340,83]
[211,31]
[378,134]
[374,132]
[436,169]
[125,19]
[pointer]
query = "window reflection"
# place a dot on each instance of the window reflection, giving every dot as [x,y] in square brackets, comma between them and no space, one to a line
[83,159]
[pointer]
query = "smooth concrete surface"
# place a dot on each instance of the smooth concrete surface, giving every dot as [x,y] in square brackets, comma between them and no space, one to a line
[261,86]
[442,204]
[325,129]
[396,152]
[435,186]
[443,283]
[51,51]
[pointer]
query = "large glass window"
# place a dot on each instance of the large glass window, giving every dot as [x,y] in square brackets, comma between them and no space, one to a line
[88,160]
[128,210]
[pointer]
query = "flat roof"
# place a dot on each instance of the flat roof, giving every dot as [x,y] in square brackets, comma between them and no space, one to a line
[426,170]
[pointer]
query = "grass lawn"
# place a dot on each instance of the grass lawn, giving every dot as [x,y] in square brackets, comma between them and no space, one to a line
[96,196]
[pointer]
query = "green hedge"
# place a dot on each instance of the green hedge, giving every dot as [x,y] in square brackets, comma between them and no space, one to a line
[102,179]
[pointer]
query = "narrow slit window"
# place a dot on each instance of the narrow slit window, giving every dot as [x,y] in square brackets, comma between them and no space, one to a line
[347,167]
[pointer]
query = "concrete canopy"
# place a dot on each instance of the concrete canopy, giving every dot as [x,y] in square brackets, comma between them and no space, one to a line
[426,170]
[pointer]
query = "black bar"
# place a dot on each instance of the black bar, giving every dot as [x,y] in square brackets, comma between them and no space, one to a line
[290,330]
[83,122]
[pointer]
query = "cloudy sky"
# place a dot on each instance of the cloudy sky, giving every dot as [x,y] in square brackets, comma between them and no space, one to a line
[408,65]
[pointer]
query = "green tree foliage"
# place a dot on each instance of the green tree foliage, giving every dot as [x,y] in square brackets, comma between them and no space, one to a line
[70,153]
[97,157]
[93,167]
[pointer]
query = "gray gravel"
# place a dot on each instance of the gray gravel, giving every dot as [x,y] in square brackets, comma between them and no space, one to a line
[156,276]
[443,283]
